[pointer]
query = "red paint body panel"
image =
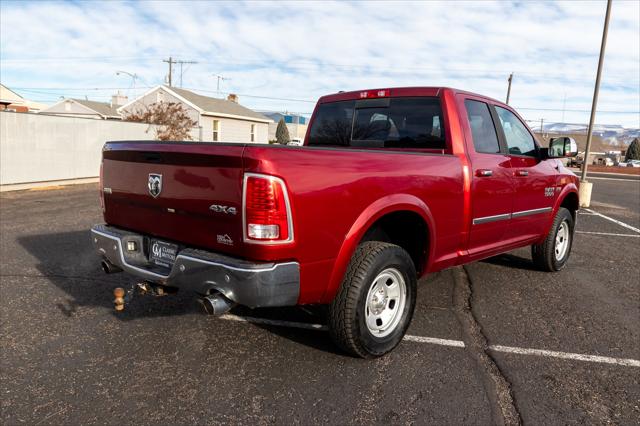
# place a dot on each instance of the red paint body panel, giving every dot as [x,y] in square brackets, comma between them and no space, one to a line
[335,195]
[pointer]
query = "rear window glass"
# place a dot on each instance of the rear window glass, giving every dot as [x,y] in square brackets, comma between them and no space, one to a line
[380,123]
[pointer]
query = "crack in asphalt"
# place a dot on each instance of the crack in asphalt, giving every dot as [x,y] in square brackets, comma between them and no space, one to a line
[497,387]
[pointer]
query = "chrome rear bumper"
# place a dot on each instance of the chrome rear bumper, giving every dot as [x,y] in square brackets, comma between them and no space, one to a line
[246,283]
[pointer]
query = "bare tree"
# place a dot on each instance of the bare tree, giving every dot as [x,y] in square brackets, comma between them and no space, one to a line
[172,120]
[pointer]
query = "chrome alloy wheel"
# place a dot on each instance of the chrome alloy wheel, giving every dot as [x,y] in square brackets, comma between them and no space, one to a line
[562,240]
[385,302]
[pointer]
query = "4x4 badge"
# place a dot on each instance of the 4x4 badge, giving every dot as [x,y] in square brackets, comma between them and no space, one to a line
[155,184]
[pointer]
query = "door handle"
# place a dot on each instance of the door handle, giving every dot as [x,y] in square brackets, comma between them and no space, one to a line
[484,172]
[522,173]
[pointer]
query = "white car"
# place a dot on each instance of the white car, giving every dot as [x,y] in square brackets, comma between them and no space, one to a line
[296,142]
[633,163]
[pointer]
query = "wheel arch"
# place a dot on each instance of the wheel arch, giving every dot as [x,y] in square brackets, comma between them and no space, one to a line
[569,199]
[375,217]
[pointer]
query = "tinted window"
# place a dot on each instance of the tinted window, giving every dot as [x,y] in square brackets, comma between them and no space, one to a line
[519,140]
[332,125]
[402,123]
[483,131]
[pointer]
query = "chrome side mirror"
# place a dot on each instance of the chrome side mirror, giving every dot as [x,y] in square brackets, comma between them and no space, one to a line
[563,147]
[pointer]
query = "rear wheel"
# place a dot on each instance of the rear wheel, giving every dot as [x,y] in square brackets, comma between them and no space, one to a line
[552,255]
[375,303]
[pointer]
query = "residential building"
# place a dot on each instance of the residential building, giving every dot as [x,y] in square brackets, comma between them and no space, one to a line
[296,124]
[218,120]
[11,101]
[85,108]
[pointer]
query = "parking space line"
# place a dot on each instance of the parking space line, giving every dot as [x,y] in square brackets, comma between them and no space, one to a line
[618,179]
[614,220]
[567,355]
[435,341]
[608,233]
[627,362]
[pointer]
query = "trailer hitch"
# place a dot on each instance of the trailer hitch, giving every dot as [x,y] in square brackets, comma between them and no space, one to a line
[122,296]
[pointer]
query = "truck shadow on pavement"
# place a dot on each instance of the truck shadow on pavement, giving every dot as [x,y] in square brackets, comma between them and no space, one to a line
[512,261]
[68,261]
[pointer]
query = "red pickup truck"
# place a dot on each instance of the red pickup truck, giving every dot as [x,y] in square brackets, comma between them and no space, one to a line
[390,185]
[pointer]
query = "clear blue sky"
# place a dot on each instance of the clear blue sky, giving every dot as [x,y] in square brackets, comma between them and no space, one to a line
[298,51]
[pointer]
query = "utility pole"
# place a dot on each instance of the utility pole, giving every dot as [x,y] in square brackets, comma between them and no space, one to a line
[170,61]
[542,126]
[585,187]
[181,64]
[509,88]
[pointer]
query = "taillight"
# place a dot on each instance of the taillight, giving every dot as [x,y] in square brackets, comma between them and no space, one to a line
[101,186]
[267,213]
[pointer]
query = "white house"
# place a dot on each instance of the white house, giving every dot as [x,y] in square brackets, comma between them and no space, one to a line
[88,109]
[218,120]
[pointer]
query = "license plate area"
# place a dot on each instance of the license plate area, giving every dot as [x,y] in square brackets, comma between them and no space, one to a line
[162,253]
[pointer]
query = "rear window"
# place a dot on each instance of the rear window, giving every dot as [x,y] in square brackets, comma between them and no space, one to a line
[380,123]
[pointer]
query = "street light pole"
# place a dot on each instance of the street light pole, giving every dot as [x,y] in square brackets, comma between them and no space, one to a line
[509,88]
[585,186]
[596,91]
[133,77]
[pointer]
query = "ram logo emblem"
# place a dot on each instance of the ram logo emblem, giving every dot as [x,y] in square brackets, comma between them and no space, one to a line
[155,184]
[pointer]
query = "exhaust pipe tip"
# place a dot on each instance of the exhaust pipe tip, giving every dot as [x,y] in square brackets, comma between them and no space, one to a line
[216,304]
[108,267]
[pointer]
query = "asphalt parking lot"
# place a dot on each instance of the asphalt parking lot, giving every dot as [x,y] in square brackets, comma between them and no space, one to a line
[547,348]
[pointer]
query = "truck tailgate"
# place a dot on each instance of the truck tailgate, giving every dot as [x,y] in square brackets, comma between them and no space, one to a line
[187,193]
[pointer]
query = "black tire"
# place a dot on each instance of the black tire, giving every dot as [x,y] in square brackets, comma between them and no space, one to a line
[544,255]
[347,312]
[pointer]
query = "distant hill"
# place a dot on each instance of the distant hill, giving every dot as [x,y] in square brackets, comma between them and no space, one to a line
[614,136]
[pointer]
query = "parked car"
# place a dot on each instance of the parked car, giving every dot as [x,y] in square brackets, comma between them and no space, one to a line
[390,185]
[633,163]
[296,142]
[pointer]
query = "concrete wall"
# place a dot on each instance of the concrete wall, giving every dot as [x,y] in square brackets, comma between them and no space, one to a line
[41,148]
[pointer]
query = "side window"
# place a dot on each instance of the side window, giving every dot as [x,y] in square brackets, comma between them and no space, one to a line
[519,140]
[216,130]
[483,131]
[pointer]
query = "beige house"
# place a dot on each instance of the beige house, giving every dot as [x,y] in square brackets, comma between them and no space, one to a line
[11,101]
[296,124]
[88,109]
[218,120]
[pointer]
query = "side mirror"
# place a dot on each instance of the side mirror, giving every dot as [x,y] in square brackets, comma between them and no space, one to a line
[563,147]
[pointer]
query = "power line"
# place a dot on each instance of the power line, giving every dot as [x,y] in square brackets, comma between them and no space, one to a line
[41,90]
[312,64]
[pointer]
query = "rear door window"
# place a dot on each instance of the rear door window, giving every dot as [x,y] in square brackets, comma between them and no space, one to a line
[483,130]
[394,123]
